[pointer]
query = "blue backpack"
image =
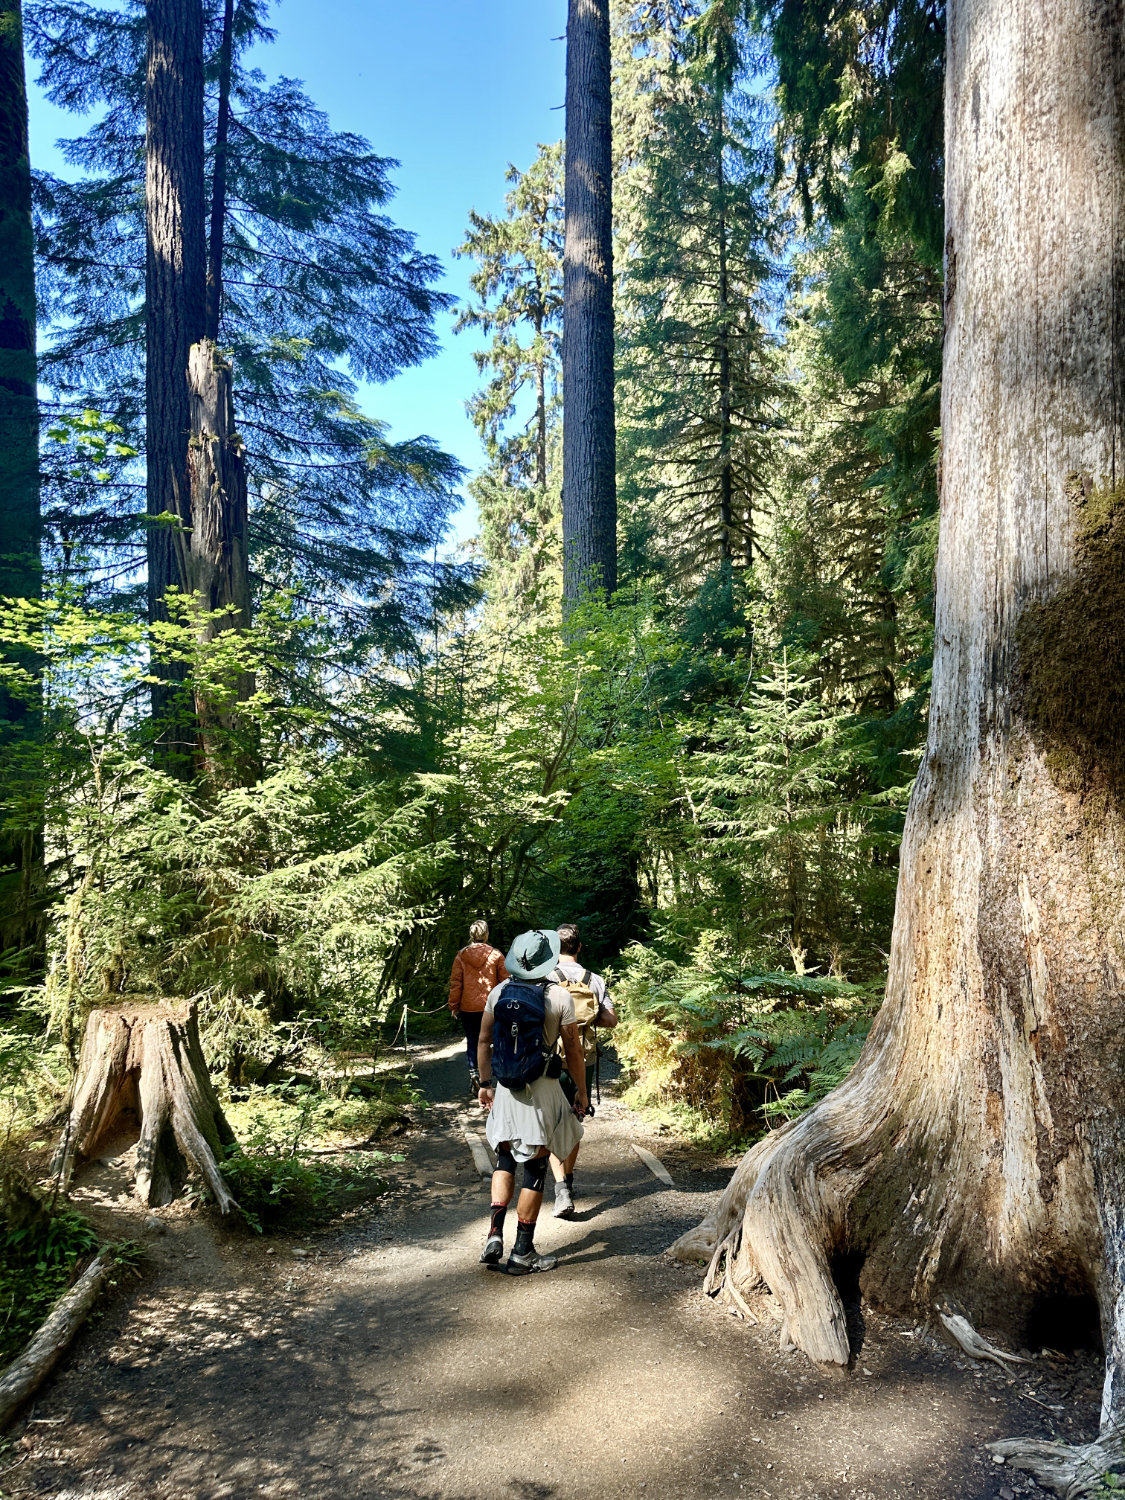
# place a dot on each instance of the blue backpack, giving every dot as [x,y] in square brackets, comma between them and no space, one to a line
[518,1054]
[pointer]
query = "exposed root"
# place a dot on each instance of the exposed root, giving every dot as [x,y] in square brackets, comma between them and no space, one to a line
[1070,1471]
[716,1271]
[722,1279]
[785,1213]
[976,1347]
[734,1295]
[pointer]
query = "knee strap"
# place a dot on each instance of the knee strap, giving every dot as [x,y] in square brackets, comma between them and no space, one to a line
[534,1173]
[505,1161]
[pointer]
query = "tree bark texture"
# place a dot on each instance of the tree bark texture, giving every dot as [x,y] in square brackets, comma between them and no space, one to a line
[589,497]
[975,1150]
[218,562]
[175,278]
[20,571]
[144,1058]
[219,179]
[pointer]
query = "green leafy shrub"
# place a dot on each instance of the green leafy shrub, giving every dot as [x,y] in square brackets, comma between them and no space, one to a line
[280,1179]
[37,1265]
[738,1048]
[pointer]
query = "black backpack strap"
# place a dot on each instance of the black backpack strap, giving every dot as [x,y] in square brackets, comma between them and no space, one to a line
[586,977]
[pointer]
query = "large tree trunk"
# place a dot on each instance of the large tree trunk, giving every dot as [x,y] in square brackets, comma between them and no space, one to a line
[975,1151]
[219,179]
[175,279]
[141,1064]
[218,562]
[589,496]
[20,573]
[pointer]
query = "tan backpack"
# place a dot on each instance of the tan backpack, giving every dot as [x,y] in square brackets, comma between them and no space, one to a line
[586,1007]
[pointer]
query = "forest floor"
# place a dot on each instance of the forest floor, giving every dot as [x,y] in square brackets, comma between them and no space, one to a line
[322,1365]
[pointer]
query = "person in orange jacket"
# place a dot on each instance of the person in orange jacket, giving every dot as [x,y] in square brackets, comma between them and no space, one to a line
[477,970]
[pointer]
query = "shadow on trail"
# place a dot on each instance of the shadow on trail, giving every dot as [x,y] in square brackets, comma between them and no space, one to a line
[395,1366]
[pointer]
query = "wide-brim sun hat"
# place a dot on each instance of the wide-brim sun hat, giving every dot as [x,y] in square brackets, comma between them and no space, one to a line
[533,954]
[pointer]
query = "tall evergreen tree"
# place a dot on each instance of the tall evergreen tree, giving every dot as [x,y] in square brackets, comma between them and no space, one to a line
[974,1151]
[589,434]
[518,286]
[20,847]
[319,289]
[699,368]
[175,281]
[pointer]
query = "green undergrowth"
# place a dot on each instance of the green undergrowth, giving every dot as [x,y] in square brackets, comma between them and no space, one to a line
[721,1055]
[292,1167]
[37,1264]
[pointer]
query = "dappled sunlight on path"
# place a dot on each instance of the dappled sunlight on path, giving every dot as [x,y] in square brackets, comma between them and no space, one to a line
[385,1362]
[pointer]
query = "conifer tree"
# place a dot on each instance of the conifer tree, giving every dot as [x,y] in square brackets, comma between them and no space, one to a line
[589,442]
[175,270]
[319,289]
[699,370]
[20,575]
[518,285]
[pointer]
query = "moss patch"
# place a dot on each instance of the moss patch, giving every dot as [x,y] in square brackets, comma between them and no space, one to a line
[1070,652]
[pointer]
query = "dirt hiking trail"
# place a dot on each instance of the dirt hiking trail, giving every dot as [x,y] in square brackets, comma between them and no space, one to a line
[383,1361]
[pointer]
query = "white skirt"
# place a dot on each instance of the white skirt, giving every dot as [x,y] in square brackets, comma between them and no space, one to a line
[537,1116]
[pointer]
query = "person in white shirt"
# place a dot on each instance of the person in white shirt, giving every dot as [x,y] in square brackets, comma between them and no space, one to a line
[570,970]
[529,1117]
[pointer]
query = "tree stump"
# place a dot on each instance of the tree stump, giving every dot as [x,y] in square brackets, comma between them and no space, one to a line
[143,1058]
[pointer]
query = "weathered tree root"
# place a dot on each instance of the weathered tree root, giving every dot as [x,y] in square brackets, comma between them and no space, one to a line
[25,1375]
[1070,1471]
[145,1058]
[784,1210]
[973,1344]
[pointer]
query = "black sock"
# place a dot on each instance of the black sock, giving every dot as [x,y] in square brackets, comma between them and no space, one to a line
[498,1212]
[570,1181]
[525,1234]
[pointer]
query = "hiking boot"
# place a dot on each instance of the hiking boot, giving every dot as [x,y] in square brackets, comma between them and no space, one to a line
[493,1252]
[564,1202]
[474,1082]
[523,1265]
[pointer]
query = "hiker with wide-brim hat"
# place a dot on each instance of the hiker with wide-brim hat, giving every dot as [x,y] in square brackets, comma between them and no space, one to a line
[529,1116]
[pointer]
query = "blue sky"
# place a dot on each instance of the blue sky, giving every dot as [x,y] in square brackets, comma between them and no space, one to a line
[455,89]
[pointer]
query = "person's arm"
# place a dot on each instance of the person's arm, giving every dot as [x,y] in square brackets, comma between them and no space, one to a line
[456,984]
[575,1065]
[501,969]
[484,1061]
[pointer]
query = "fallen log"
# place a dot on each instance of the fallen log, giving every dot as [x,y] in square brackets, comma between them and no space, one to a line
[26,1373]
[143,1058]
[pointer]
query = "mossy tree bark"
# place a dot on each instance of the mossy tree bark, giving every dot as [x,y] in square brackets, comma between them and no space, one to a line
[21,843]
[141,1063]
[975,1151]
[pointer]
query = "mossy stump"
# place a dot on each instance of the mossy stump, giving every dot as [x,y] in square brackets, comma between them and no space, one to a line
[143,1059]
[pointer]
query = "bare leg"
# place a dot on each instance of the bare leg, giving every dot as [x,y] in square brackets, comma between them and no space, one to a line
[503,1186]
